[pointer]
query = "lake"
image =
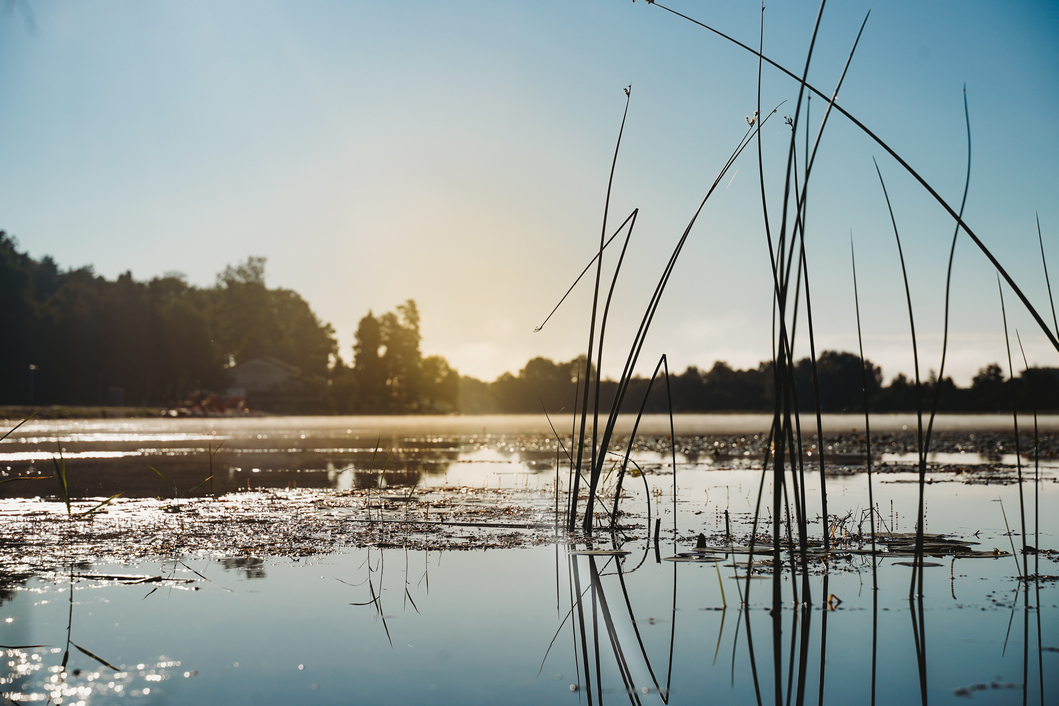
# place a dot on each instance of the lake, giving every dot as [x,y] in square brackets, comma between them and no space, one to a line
[313,568]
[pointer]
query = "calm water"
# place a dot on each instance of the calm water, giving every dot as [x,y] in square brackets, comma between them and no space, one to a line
[395,626]
[110,456]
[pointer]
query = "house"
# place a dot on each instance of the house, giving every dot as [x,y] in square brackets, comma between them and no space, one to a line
[268,384]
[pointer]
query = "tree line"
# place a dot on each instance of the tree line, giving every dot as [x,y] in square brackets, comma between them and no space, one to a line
[547,385]
[73,337]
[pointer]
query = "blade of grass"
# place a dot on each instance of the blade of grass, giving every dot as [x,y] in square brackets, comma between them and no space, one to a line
[672,446]
[13,429]
[632,437]
[1014,553]
[12,480]
[196,487]
[60,471]
[1036,464]
[213,452]
[948,279]
[162,476]
[599,354]
[816,399]
[1047,281]
[99,507]
[583,272]
[96,657]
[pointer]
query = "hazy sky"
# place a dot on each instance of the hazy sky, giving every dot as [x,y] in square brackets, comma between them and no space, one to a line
[457,153]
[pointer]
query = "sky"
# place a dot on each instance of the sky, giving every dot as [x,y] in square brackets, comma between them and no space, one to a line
[458,154]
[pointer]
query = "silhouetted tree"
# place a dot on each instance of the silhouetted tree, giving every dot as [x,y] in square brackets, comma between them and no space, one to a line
[154,341]
[389,374]
[441,385]
[250,320]
[840,382]
[990,391]
[369,371]
[399,333]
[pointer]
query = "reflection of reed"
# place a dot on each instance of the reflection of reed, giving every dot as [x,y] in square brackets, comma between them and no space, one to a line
[376,596]
[599,611]
[601,643]
[919,636]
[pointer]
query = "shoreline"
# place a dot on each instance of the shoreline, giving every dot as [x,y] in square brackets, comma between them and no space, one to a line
[689,424]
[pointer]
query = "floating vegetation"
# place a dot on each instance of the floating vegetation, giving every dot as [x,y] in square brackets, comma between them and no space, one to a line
[36,536]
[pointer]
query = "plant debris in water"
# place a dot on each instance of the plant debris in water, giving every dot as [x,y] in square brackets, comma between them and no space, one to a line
[38,535]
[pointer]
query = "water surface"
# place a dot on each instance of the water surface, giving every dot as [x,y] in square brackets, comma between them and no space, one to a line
[353,624]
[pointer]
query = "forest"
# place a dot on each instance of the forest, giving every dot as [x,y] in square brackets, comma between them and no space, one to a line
[72,337]
[544,384]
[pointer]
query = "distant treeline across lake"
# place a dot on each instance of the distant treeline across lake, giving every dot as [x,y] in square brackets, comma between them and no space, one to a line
[72,337]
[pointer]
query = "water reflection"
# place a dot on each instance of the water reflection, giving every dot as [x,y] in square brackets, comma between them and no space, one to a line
[251,567]
[117,455]
[481,627]
[84,673]
[612,654]
[626,623]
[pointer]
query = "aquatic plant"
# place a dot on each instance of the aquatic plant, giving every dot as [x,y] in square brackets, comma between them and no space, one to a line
[64,489]
[176,494]
[785,456]
[787,252]
[9,432]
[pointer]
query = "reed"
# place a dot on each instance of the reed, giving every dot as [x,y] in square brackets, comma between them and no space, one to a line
[785,233]
[591,343]
[917,562]
[1015,423]
[867,415]
[1052,337]
[172,481]
[1036,467]
[64,490]
[633,356]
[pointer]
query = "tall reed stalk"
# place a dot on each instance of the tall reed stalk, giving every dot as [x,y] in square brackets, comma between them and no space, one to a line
[599,450]
[591,343]
[917,562]
[867,415]
[1052,337]
[1015,422]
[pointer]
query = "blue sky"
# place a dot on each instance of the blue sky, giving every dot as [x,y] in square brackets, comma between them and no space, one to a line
[457,153]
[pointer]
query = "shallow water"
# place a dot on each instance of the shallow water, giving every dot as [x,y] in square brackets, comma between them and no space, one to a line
[475,628]
[368,625]
[110,456]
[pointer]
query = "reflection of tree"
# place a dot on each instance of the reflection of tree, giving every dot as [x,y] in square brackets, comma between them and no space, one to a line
[10,585]
[252,567]
[389,478]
